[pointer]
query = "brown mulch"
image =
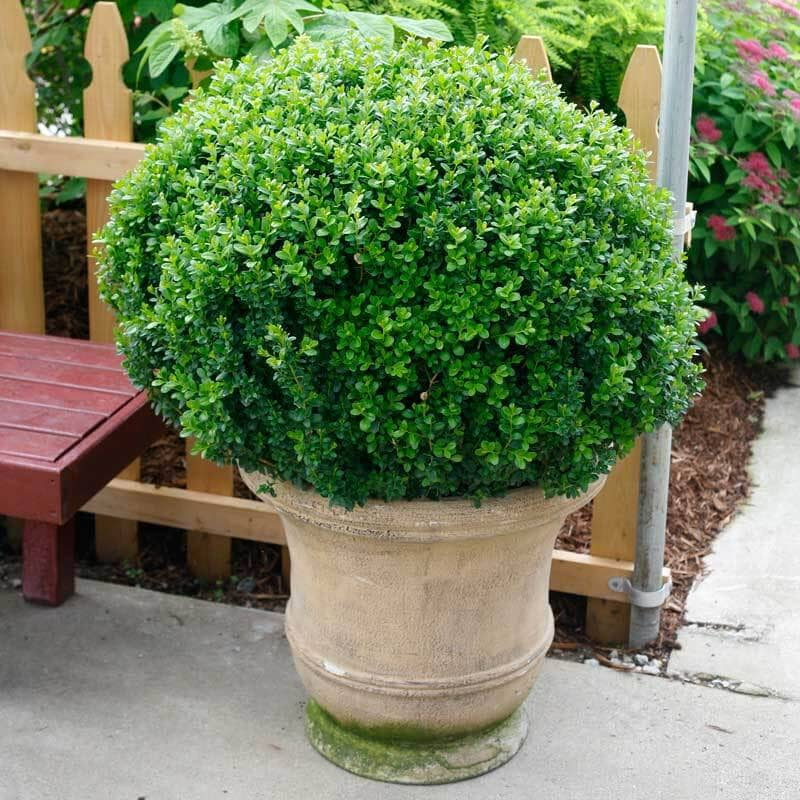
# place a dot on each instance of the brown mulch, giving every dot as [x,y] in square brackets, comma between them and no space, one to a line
[65,273]
[708,482]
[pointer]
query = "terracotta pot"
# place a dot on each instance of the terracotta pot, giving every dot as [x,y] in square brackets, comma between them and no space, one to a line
[418,627]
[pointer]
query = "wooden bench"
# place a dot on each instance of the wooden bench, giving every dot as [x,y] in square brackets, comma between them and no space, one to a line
[70,420]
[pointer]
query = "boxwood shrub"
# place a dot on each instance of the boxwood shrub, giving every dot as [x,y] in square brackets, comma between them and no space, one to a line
[400,274]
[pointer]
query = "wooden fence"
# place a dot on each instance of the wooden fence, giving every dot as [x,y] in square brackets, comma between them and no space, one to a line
[206,508]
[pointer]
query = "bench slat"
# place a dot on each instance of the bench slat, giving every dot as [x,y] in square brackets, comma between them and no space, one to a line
[76,375]
[47,419]
[59,348]
[33,444]
[60,444]
[61,396]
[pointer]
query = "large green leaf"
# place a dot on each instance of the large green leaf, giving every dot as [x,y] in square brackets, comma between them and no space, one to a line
[213,22]
[160,47]
[275,15]
[160,9]
[332,25]
[161,56]
[373,26]
[424,28]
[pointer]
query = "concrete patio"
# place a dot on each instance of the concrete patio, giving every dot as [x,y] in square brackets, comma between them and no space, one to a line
[123,694]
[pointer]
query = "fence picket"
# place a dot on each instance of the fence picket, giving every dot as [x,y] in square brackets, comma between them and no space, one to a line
[208,556]
[532,52]
[21,282]
[615,510]
[107,114]
[640,98]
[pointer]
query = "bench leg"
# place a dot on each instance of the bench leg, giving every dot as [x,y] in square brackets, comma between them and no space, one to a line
[48,562]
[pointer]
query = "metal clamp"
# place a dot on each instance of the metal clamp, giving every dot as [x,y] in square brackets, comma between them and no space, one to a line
[637,596]
[683,225]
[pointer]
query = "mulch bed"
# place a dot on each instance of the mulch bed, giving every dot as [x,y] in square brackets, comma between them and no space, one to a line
[708,482]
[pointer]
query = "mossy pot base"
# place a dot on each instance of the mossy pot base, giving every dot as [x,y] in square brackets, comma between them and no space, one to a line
[419,625]
[408,762]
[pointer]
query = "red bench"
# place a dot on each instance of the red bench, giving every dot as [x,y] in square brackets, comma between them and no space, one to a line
[70,420]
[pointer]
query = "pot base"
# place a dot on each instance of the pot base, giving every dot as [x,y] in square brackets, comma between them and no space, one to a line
[415,762]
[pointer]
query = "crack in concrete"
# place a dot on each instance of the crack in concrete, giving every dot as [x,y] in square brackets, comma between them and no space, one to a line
[729,684]
[738,631]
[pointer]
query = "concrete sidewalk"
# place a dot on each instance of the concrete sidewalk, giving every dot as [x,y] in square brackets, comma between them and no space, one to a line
[124,694]
[744,615]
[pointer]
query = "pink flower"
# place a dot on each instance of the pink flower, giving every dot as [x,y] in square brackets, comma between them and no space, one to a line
[776,51]
[707,324]
[755,302]
[794,104]
[761,177]
[792,350]
[769,192]
[789,8]
[758,163]
[750,50]
[707,129]
[722,231]
[761,81]
[784,301]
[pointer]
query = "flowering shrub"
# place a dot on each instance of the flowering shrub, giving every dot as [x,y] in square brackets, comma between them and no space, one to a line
[745,176]
[399,274]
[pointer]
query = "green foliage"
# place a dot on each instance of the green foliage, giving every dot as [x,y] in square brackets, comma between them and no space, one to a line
[613,29]
[589,42]
[235,28]
[60,72]
[745,174]
[399,274]
[55,63]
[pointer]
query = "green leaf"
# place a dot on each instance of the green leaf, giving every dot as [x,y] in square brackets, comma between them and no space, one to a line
[711,192]
[743,146]
[774,153]
[330,26]
[789,134]
[373,27]
[160,9]
[161,56]
[276,26]
[735,176]
[256,12]
[213,22]
[222,40]
[157,37]
[424,28]
[261,49]
[742,124]
[72,189]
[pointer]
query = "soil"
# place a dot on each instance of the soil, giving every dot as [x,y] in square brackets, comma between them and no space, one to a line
[708,481]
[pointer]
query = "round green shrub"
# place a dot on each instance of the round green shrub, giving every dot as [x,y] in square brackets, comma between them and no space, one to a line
[400,274]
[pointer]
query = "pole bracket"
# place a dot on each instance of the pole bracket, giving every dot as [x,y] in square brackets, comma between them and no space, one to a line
[640,598]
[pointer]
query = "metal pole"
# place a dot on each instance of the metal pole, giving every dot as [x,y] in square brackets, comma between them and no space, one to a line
[673,170]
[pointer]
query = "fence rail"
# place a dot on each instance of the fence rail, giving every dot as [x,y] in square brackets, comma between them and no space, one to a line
[206,509]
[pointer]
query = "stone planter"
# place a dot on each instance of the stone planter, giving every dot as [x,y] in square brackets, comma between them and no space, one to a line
[418,627]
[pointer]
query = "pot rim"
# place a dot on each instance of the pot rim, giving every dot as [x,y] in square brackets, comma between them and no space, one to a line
[421,519]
